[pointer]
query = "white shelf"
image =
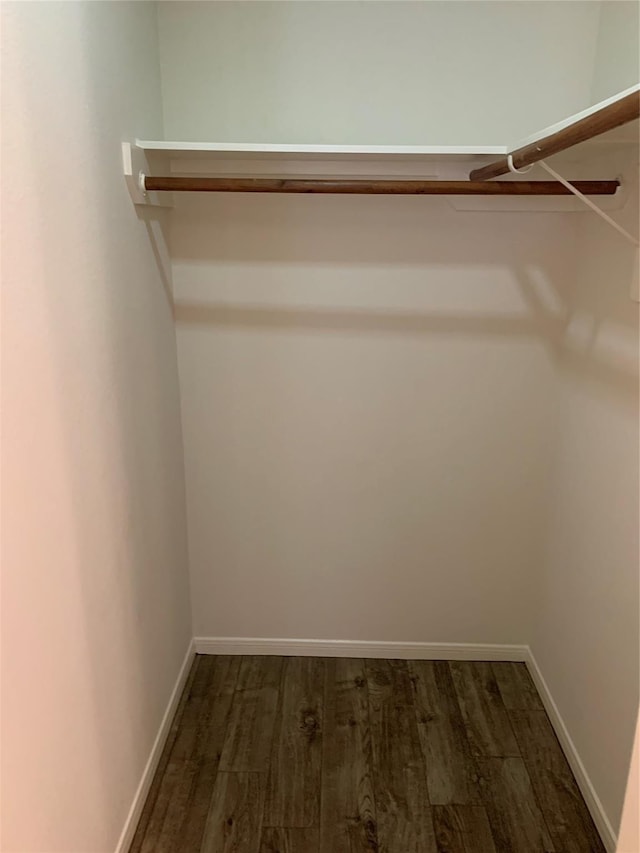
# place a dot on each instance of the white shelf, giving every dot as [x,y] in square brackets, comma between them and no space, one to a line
[265,151]
[317,161]
[224,155]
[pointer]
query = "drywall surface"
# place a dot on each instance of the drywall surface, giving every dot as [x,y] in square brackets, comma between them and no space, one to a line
[95,620]
[467,73]
[365,388]
[617,64]
[586,631]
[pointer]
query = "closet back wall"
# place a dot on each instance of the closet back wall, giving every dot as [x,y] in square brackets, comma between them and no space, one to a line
[386,72]
[365,381]
[585,635]
[365,391]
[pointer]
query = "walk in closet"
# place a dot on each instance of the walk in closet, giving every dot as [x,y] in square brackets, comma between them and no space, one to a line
[320,442]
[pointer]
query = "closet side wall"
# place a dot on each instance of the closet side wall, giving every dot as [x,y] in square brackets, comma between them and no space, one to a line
[617,63]
[96,615]
[586,633]
[439,73]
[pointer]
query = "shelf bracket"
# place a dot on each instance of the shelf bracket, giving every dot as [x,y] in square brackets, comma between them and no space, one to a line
[135,167]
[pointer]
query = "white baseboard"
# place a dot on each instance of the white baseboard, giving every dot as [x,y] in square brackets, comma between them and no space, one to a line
[140,796]
[358,649]
[592,800]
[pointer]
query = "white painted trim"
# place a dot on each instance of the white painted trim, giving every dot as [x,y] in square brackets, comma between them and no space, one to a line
[609,838]
[140,796]
[358,649]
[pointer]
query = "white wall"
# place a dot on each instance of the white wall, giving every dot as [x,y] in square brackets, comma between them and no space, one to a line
[95,602]
[586,629]
[385,72]
[365,387]
[617,64]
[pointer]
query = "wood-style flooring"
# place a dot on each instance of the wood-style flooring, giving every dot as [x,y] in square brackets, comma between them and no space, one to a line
[333,755]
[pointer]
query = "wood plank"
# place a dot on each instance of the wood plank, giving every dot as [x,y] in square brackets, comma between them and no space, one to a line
[563,808]
[196,809]
[404,819]
[516,686]
[293,840]
[516,821]
[250,729]
[177,778]
[234,822]
[485,716]
[348,817]
[209,741]
[293,785]
[204,718]
[156,785]
[175,183]
[462,829]
[258,671]
[205,715]
[452,776]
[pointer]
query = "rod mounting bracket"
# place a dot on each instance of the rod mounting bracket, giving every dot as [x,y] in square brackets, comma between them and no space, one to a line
[136,168]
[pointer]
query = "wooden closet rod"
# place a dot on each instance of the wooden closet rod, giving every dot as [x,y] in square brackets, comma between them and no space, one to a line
[608,118]
[373,187]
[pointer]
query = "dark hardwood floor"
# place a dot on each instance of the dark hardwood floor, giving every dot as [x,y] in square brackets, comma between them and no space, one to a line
[315,755]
